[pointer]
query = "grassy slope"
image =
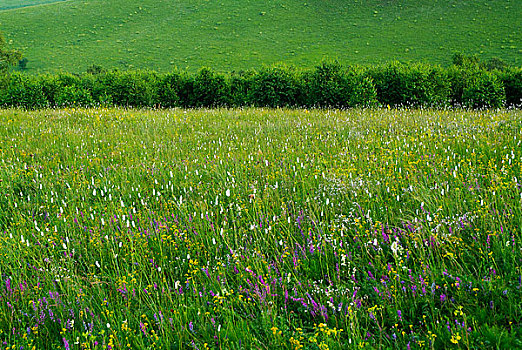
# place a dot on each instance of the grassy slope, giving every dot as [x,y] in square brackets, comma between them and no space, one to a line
[232,35]
[13,4]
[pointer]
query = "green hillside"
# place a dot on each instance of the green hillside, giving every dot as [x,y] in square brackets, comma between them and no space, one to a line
[232,35]
[13,4]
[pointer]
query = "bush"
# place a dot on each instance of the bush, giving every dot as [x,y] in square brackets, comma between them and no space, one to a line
[69,91]
[476,88]
[512,80]
[210,90]
[484,90]
[129,89]
[20,90]
[169,89]
[240,86]
[467,84]
[398,84]
[277,86]
[329,85]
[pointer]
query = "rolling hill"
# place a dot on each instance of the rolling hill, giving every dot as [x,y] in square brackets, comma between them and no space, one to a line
[233,35]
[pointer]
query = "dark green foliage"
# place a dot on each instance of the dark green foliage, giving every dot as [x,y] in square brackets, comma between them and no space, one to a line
[476,88]
[495,63]
[132,88]
[95,69]
[460,59]
[484,90]
[512,80]
[8,57]
[399,84]
[22,64]
[169,89]
[328,85]
[277,86]
[240,85]
[210,89]
[24,91]
[70,91]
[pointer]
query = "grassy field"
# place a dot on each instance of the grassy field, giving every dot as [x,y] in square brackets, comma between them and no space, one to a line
[235,35]
[14,4]
[260,228]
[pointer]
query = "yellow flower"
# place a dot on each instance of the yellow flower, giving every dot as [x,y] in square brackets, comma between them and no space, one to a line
[455,339]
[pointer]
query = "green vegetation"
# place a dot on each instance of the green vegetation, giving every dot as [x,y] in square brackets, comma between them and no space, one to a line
[15,4]
[328,85]
[8,56]
[232,35]
[260,228]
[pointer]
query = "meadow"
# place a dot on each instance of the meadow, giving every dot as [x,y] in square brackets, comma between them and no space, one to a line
[260,228]
[231,35]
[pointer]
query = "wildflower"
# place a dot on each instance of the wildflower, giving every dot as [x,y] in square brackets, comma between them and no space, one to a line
[455,339]
[396,248]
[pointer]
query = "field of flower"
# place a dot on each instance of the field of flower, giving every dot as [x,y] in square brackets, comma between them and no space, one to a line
[260,228]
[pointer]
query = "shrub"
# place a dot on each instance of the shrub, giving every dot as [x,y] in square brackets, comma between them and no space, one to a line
[72,95]
[20,90]
[329,85]
[484,90]
[398,84]
[169,89]
[240,86]
[132,88]
[512,80]
[210,89]
[69,90]
[276,86]
[476,88]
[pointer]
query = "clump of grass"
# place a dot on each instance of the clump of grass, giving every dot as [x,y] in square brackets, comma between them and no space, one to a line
[260,228]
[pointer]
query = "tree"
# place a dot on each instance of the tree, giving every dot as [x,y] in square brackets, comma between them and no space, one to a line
[22,64]
[8,57]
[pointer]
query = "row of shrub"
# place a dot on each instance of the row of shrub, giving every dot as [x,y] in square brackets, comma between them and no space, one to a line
[327,85]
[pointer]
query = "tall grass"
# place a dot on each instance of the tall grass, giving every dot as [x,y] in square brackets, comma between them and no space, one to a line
[260,228]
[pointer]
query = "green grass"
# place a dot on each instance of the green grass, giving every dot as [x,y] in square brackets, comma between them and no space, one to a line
[236,35]
[260,228]
[14,4]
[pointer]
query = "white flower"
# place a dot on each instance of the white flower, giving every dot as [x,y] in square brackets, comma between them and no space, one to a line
[227,193]
[396,248]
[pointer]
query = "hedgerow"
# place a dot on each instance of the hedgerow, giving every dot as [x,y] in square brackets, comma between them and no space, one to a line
[329,84]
